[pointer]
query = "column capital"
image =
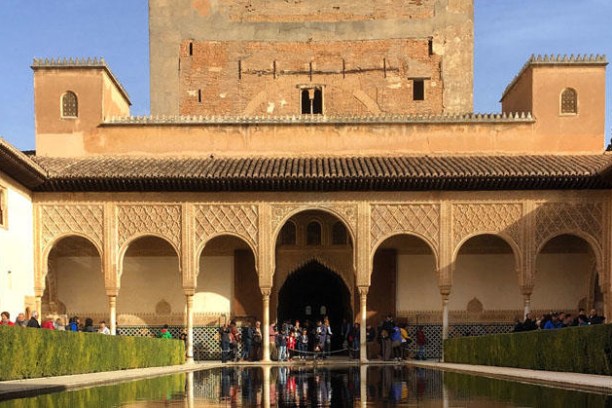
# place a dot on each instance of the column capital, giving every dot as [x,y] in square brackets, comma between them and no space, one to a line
[445,291]
[265,291]
[189,291]
[363,290]
[526,290]
[112,292]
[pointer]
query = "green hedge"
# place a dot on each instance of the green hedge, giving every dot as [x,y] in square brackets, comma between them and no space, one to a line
[573,349]
[31,353]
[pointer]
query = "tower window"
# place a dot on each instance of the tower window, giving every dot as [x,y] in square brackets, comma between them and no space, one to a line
[569,101]
[418,90]
[430,46]
[70,105]
[287,234]
[313,233]
[312,101]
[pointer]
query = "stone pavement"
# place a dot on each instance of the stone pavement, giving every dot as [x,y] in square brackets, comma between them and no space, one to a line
[574,381]
[36,386]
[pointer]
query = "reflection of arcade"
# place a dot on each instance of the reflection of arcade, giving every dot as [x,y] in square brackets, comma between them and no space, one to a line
[313,386]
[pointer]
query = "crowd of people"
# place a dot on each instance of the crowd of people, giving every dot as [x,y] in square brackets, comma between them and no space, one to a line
[51,323]
[558,320]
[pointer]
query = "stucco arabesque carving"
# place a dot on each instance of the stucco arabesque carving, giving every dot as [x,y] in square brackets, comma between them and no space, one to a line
[290,263]
[237,219]
[81,219]
[346,212]
[470,219]
[163,220]
[557,218]
[389,219]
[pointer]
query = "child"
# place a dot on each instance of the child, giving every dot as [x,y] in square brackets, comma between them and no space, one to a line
[304,343]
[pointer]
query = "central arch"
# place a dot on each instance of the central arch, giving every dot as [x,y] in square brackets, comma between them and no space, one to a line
[312,292]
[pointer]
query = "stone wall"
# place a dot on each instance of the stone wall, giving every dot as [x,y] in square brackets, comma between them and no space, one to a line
[174,24]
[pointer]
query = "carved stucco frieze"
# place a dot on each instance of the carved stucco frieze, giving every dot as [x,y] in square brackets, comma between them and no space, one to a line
[422,219]
[555,218]
[473,218]
[82,219]
[163,220]
[347,213]
[238,219]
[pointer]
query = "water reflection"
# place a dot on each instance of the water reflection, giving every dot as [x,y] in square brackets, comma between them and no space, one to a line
[322,386]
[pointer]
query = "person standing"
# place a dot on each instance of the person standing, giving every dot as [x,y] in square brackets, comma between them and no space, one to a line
[421,342]
[328,337]
[21,320]
[33,322]
[6,319]
[224,332]
[247,341]
[103,328]
[386,331]
[257,341]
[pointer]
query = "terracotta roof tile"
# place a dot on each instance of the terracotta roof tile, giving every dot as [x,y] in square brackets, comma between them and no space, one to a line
[325,173]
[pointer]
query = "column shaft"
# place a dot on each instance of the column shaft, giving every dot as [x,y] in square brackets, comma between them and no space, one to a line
[266,325]
[189,345]
[112,306]
[363,351]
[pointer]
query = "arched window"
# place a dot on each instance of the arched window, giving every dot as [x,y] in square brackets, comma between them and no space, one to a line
[569,101]
[313,233]
[70,105]
[287,234]
[339,234]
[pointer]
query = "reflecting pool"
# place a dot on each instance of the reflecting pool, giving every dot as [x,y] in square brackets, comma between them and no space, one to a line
[324,386]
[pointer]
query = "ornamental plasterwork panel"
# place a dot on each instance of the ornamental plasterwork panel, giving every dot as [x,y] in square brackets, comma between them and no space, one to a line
[423,219]
[469,219]
[85,220]
[237,219]
[342,264]
[347,212]
[555,218]
[163,220]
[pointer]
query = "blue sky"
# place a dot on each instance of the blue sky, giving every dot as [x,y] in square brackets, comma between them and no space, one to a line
[507,32]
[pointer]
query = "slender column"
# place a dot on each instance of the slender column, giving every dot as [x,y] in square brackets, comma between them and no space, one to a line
[112,306]
[265,292]
[444,323]
[189,345]
[363,298]
[526,304]
[265,394]
[39,306]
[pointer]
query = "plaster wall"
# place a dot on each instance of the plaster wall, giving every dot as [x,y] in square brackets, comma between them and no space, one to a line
[148,280]
[80,285]
[308,140]
[448,22]
[215,289]
[561,281]
[489,278]
[17,243]
[417,283]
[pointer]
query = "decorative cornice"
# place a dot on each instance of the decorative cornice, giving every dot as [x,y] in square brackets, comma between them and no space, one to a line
[158,120]
[20,167]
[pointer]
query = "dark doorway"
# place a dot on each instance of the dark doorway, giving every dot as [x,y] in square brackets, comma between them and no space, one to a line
[311,288]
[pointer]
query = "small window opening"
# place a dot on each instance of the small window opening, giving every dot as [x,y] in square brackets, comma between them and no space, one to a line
[288,235]
[313,233]
[569,101]
[70,105]
[430,46]
[339,234]
[418,90]
[190,48]
[312,101]
[199,96]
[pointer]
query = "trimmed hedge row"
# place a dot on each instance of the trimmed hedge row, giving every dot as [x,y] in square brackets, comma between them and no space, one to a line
[574,349]
[32,353]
